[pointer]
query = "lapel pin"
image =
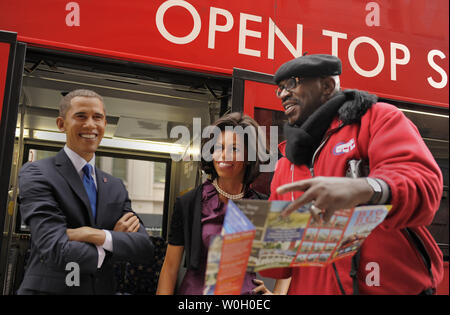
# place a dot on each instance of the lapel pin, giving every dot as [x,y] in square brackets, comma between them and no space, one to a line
[105,180]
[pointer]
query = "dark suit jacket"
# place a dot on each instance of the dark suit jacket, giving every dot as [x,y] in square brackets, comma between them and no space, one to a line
[186,225]
[53,199]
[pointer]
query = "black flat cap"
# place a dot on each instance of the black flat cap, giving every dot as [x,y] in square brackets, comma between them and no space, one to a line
[309,66]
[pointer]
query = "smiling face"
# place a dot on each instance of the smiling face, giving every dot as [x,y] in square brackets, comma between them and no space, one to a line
[84,125]
[300,102]
[229,156]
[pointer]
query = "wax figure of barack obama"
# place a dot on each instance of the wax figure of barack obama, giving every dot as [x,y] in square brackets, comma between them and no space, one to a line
[77,213]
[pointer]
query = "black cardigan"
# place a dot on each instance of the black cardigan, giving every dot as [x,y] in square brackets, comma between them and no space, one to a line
[186,226]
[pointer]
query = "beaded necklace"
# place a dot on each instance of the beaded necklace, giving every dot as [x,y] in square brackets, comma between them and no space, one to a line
[225,194]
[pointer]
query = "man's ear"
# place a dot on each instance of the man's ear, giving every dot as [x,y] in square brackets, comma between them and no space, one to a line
[60,124]
[328,85]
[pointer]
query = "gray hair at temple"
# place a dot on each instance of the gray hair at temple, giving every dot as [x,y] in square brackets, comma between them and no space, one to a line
[64,104]
[337,84]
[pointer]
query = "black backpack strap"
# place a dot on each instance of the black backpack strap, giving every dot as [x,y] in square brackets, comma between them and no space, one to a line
[338,279]
[418,244]
[354,271]
[353,274]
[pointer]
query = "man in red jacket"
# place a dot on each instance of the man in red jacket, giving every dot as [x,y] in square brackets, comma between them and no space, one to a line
[327,128]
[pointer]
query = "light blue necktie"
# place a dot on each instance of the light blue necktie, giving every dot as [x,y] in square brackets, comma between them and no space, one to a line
[89,185]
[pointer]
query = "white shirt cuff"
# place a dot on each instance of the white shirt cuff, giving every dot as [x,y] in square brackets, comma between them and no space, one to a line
[101,256]
[107,245]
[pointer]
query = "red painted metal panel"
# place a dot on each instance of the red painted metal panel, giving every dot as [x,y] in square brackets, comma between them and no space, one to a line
[260,95]
[4,58]
[396,49]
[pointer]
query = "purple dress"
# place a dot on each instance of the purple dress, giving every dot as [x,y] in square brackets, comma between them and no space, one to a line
[213,214]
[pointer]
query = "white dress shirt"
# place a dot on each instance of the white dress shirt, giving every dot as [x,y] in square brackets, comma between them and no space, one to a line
[78,162]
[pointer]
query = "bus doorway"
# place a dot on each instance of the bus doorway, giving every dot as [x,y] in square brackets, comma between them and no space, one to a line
[143,104]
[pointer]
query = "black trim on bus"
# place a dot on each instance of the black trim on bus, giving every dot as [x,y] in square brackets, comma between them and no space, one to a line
[165,218]
[253,76]
[126,68]
[238,86]
[8,37]
[11,110]
[13,83]
[415,106]
[237,96]
[5,118]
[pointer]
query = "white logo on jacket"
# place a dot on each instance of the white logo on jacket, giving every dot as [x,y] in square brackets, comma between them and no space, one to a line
[342,148]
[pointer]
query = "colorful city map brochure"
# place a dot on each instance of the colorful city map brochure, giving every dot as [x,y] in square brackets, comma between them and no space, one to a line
[255,237]
[299,240]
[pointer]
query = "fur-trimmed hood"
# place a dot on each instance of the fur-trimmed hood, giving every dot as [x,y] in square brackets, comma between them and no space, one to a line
[356,105]
[302,141]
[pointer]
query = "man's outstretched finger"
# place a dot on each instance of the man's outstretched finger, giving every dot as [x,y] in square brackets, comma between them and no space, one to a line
[296,186]
[292,207]
[288,210]
[296,204]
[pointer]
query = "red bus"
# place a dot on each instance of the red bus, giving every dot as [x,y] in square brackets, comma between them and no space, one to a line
[164,63]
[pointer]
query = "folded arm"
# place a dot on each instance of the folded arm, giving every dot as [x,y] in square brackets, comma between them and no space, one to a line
[130,240]
[127,223]
[41,212]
